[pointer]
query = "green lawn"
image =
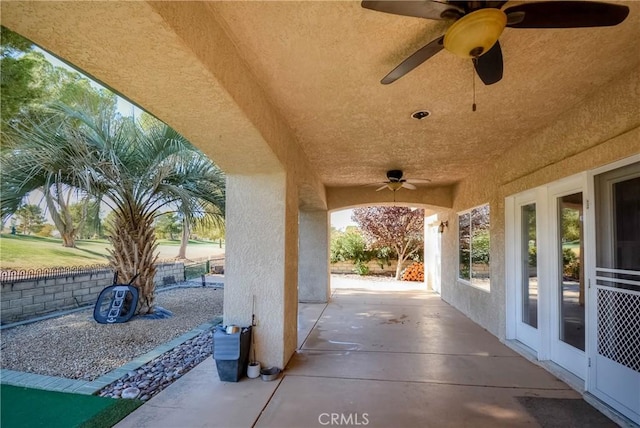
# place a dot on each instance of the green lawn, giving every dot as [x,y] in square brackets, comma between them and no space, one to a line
[31,252]
[574,246]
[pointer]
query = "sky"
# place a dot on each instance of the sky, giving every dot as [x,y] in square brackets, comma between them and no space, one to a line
[342,219]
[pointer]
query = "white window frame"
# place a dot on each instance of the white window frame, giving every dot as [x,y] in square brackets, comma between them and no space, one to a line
[469,282]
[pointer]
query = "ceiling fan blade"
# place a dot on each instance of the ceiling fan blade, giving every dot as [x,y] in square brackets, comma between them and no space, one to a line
[489,66]
[421,9]
[408,186]
[381,188]
[568,14]
[418,57]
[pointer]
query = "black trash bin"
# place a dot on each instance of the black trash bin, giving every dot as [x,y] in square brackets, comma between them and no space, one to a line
[231,352]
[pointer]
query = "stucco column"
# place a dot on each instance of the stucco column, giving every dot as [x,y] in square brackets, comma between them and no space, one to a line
[262,261]
[432,238]
[313,258]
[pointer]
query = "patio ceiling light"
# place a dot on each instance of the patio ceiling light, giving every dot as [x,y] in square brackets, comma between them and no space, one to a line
[394,185]
[475,33]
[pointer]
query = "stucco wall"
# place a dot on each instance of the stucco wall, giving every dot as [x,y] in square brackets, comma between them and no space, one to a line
[313,262]
[261,261]
[202,87]
[602,129]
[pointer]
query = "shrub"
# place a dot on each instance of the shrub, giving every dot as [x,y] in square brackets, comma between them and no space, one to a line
[480,247]
[45,230]
[570,264]
[350,245]
[533,255]
[361,268]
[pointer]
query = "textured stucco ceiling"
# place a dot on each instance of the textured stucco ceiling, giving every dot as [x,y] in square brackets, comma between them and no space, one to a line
[233,75]
[321,62]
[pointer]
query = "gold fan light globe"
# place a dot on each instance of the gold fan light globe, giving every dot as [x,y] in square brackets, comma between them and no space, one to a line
[474,34]
[394,185]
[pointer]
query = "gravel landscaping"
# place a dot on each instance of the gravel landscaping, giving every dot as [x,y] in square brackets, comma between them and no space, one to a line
[74,346]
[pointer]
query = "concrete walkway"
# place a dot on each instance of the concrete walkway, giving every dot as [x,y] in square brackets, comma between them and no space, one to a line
[377,358]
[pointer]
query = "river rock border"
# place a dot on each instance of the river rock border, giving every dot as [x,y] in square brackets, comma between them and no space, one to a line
[183,352]
[162,371]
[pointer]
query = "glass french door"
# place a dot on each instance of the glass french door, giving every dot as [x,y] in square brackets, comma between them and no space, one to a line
[567,299]
[573,278]
[526,270]
[571,291]
[615,369]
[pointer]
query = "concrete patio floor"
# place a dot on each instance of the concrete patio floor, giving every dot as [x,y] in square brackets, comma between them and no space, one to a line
[378,358]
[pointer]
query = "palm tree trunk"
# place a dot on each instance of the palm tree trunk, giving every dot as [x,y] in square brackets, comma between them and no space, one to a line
[134,245]
[182,253]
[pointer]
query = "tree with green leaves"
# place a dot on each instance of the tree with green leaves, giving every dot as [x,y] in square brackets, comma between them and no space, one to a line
[138,173]
[20,87]
[86,217]
[399,228]
[29,82]
[29,85]
[206,220]
[168,225]
[351,245]
[30,218]
[214,231]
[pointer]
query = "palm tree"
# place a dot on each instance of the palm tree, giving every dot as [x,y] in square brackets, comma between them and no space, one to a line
[35,155]
[202,220]
[139,173]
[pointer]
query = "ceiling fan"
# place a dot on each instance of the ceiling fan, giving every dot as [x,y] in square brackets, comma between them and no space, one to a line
[477,25]
[395,182]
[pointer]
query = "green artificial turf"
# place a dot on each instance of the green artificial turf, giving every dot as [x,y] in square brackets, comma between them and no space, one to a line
[28,407]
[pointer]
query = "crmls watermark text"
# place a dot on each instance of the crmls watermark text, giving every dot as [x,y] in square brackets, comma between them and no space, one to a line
[342,419]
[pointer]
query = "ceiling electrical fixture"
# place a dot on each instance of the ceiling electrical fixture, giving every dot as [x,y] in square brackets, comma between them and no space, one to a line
[395,182]
[477,25]
[474,34]
[393,186]
[420,114]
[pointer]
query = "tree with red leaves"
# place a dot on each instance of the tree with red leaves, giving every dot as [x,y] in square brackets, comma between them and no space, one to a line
[400,228]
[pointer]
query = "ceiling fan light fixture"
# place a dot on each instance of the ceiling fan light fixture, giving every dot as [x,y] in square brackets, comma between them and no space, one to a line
[394,185]
[475,33]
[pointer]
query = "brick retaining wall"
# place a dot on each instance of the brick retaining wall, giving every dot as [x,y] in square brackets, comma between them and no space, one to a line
[21,300]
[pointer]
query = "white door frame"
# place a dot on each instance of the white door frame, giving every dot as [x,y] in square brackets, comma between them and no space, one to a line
[592,296]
